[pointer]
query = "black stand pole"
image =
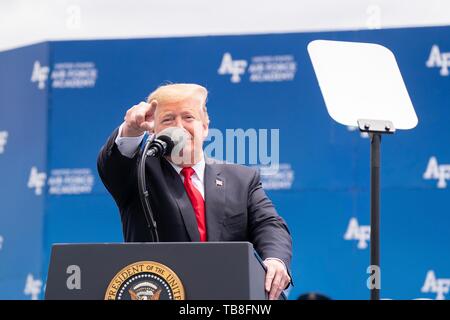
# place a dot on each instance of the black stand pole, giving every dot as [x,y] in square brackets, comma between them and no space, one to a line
[144,194]
[375,128]
[375,213]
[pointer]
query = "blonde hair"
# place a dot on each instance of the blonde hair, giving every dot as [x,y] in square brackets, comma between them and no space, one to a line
[172,93]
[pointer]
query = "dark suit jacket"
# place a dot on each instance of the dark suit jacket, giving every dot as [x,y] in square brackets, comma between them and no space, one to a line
[237,210]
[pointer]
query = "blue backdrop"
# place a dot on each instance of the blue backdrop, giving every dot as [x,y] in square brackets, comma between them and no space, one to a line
[59,101]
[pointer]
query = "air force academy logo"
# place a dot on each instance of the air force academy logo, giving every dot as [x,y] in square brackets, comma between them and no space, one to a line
[32,287]
[435,285]
[36,180]
[439,172]
[40,74]
[265,68]
[438,59]
[235,68]
[357,232]
[3,140]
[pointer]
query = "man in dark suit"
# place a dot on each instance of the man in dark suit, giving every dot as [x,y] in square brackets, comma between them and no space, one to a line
[193,198]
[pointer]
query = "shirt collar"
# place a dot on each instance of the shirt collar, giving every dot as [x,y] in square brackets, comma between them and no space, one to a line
[199,168]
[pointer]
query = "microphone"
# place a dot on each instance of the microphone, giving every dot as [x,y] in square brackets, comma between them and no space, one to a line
[158,146]
[166,140]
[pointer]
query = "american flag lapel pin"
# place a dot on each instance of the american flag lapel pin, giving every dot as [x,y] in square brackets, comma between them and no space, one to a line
[219,183]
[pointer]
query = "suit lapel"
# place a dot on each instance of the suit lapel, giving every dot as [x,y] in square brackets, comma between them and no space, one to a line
[184,204]
[215,187]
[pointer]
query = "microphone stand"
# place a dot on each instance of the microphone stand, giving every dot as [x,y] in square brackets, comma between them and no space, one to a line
[143,192]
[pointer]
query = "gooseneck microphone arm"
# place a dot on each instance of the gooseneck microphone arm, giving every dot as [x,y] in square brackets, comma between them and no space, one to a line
[142,186]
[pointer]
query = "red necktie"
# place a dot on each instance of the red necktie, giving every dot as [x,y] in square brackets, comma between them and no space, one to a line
[198,204]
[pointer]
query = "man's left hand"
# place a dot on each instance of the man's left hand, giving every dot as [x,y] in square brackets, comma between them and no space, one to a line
[277,278]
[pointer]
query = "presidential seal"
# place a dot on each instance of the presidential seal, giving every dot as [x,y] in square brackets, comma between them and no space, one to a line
[145,280]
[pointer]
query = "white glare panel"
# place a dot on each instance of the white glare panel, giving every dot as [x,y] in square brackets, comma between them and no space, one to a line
[361,81]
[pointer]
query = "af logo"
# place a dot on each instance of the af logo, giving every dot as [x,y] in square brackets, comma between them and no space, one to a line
[439,172]
[3,140]
[36,180]
[40,74]
[145,280]
[434,285]
[438,59]
[33,287]
[357,232]
[234,67]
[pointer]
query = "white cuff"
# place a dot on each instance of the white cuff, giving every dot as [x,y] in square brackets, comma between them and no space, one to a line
[277,260]
[128,146]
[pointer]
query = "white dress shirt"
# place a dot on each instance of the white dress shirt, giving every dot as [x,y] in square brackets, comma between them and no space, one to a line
[197,177]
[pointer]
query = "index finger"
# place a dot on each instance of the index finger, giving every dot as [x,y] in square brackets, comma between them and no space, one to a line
[269,277]
[148,107]
[153,104]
